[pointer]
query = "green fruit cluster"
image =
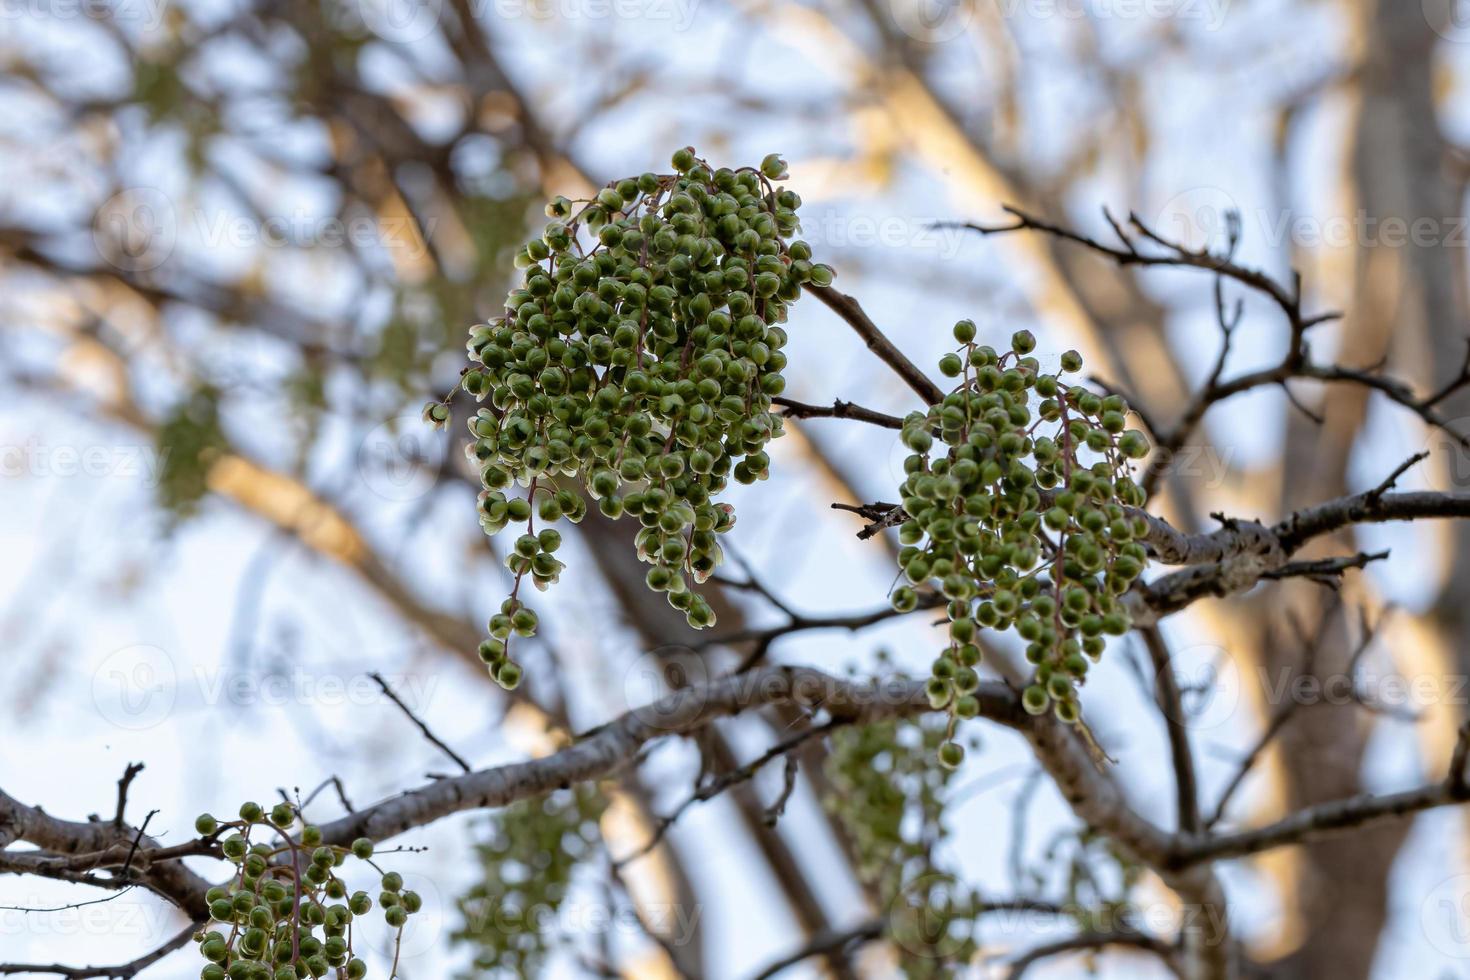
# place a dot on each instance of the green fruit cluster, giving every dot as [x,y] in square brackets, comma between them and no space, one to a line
[635,366]
[287,914]
[890,798]
[532,854]
[1018,501]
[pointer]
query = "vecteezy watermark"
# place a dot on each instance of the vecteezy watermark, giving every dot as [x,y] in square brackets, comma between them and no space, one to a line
[671,688]
[424,936]
[1385,692]
[925,918]
[829,229]
[138,229]
[407,21]
[679,14]
[1209,680]
[1208,685]
[1448,446]
[1208,218]
[1204,466]
[145,14]
[401,459]
[938,21]
[37,459]
[1444,915]
[398,21]
[675,923]
[932,917]
[1199,219]
[662,685]
[301,229]
[1209,13]
[135,687]
[1362,230]
[1450,19]
[139,922]
[139,686]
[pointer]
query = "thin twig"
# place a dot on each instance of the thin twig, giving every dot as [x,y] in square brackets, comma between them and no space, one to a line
[419,723]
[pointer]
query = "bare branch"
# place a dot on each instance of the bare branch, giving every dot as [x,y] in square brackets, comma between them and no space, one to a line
[419,723]
[120,972]
[129,774]
[1092,941]
[838,410]
[1166,691]
[847,308]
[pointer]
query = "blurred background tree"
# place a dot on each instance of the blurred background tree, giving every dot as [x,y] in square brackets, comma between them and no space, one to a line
[243,242]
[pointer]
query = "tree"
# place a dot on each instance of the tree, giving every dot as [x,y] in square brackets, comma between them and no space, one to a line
[880,746]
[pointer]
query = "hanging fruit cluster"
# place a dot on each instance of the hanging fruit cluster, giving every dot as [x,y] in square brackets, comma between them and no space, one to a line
[287,913]
[1023,520]
[634,366]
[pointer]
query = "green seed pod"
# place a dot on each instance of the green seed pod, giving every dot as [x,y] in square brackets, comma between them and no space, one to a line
[951,754]
[1133,444]
[508,676]
[1034,699]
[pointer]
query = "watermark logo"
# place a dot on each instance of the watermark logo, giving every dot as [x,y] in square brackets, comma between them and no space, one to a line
[424,935]
[147,15]
[656,675]
[1208,683]
[1205,466]
[1444,916]
[679,13]
[1450,19]
[34,458]
[401,21]
[143,923]
[922,916]
[1199,219]
[400,459]
[136,229]
[135,687]
[938,21]
[140,686]
[1448,447]
[836,230]
[932,21]
[676,924]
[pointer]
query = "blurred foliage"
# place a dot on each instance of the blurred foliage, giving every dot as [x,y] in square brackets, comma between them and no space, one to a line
[529,861]
[890,796]
[1098,879]
[190,439]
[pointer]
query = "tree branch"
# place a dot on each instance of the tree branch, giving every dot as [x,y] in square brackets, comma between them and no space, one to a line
[847,308]
[120,972]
